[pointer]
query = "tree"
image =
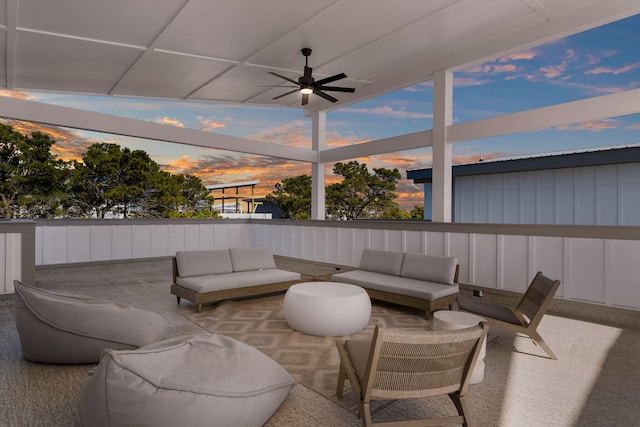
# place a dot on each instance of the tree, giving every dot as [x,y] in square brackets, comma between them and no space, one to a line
[417,212]
[293,197]
[361,194]
[31,183]
[112,179]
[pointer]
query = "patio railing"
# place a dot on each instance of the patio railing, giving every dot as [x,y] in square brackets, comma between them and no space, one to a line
[596,264]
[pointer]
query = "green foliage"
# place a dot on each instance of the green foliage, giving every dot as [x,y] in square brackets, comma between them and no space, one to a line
[293,196]
[31,179]
[108,180]
[417,212]
[362,194]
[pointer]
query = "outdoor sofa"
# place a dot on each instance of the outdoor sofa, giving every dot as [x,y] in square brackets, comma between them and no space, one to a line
[214,275]
[410,279]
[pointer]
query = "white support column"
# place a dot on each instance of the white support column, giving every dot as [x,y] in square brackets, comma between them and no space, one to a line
[318,139]
[441,167]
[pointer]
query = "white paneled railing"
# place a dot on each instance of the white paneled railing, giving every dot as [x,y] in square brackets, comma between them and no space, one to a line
[16,253]
[595,264]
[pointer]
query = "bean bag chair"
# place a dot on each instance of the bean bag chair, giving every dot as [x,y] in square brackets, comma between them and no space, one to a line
[73,329]
[196,380]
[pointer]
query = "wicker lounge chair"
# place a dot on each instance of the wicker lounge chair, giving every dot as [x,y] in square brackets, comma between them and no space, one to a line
[405,363]
[526,317]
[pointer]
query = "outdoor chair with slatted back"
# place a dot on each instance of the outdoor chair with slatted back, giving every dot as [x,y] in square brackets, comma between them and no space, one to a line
[526,317]
[408,363]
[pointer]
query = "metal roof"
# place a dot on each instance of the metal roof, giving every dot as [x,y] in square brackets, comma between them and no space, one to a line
[597,157]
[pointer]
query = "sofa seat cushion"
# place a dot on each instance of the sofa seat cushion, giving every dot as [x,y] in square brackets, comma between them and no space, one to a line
[73,329]
[439,269]
[186,381]
[385,262]
[241,279]
[202,263]
[397,285]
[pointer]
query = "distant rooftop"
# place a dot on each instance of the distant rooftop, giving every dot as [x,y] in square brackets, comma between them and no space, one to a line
[628,153]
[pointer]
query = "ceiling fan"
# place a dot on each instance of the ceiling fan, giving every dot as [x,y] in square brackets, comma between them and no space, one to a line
[307,85]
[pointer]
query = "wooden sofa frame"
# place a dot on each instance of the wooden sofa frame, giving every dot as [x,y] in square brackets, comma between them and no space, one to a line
[200,298]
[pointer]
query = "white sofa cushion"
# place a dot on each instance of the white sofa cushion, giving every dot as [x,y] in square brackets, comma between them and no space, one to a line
[186,381]
[240,279]
[430,268]
[385,262]
[201,263]
[397,285]
[247,259]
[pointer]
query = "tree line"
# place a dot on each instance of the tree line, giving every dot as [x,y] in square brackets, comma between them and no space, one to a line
[109,180]
[360,194]
[114,181]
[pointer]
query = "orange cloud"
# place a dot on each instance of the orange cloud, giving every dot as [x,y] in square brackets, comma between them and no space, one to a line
[15,94]
[69,145]
[593,126]
[207,125]
[527,54]
[507,68]
[169,121]
[609,70]
[552,71]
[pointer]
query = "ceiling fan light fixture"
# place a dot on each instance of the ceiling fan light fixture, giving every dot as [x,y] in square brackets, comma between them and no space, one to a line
[306,90]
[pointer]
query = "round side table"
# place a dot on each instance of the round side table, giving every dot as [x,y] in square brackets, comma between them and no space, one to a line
[447,320]
[327,308]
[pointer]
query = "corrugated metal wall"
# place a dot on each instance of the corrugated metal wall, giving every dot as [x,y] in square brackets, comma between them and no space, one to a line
[594,195]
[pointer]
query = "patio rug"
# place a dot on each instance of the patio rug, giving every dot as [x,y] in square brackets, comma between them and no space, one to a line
[313,361]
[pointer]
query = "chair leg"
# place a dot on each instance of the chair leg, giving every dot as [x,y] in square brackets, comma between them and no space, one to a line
[342,375]
[199,308]
[178,298]
[365,411]
[534,335]
[461,406]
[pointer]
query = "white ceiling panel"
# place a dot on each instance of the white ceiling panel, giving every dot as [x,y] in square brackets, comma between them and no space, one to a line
[235,30]
[223,50]
[240,84]
[136,22]
[3,16]
[69,65]
[166,75]
[345,29]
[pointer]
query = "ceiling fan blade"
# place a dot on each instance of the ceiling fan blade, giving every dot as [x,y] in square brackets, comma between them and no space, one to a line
[305,98]
[324,95]
[337,89]
[285,94]
[331,79]
[285,78]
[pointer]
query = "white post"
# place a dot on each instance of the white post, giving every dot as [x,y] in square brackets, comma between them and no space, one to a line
[441,166]
[318,139]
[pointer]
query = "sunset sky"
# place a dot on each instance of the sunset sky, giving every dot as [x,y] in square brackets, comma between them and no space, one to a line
[598,62]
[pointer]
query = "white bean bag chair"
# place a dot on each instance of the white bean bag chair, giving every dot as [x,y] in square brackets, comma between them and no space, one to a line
[73,329]
[197,380]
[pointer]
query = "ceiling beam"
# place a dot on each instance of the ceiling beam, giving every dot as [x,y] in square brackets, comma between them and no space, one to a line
[19,109]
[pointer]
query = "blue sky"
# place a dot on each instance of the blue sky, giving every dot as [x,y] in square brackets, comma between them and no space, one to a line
[601,61]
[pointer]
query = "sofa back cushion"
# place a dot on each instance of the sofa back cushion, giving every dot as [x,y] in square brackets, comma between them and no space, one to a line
[431,268]
[203,263]
[385,262]
[247,259]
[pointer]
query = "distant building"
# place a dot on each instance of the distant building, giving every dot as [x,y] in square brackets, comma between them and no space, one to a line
[587,187]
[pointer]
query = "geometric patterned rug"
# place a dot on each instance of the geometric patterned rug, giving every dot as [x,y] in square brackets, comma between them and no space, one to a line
[311,360]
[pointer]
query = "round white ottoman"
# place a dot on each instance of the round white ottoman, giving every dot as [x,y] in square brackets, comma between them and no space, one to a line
[447,320]
[327,308]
